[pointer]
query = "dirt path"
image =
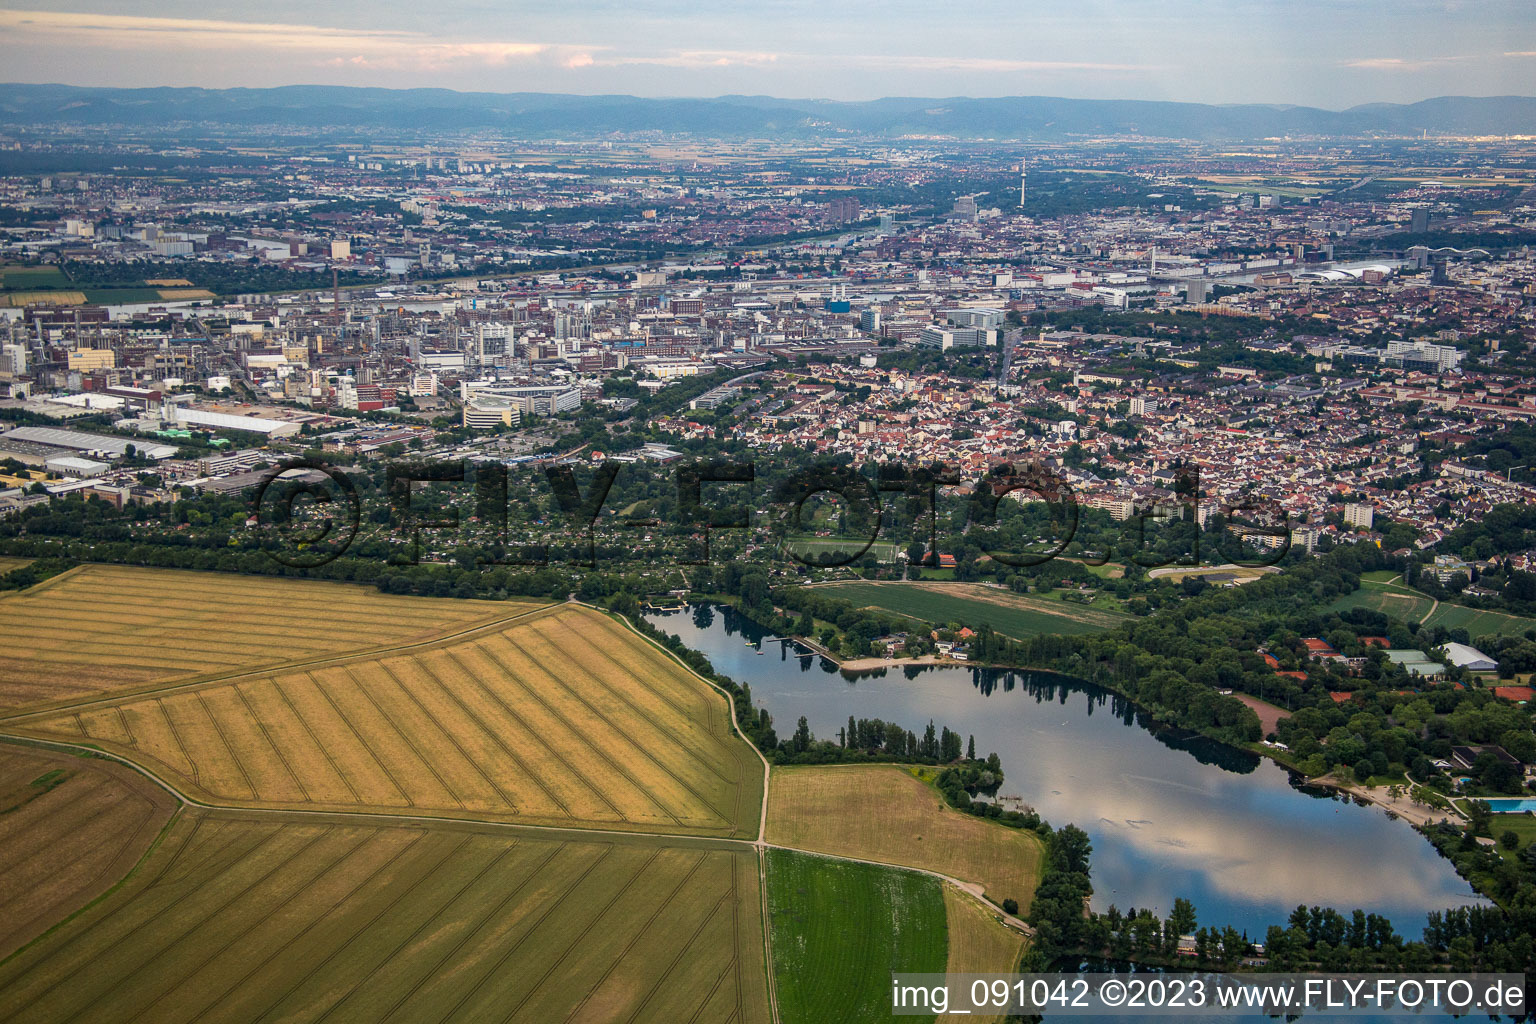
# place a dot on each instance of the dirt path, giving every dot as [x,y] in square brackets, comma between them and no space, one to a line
[1269,714]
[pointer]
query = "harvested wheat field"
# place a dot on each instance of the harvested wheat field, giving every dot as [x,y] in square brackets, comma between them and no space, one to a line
[100,628]
[70,828]
[978,944]
[562,717]
[243,920]
[884,813]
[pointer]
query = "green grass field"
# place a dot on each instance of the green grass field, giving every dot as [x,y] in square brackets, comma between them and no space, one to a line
[1014,615]
[238,920]
[1107,571]
[1479,623]
[1389,598]
[840,929]
[27,279]
[1408,604]
[884,551]
[1522,825]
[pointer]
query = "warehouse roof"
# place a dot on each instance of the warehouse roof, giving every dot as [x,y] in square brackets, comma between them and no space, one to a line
[79,441]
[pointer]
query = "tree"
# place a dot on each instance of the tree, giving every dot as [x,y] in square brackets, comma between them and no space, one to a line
[1070,849]
[970,749]
[1182,920]
[949,746]
[802,737]
[1509,839]
[1010,906]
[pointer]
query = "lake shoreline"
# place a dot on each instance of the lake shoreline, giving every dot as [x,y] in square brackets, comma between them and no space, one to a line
[1139,845]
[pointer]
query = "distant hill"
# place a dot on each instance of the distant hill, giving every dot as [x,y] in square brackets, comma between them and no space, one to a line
[546,115]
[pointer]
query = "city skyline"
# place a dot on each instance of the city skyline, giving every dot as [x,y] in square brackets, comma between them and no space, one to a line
[1331,55]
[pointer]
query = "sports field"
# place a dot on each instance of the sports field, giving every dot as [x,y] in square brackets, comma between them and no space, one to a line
[244,920]
[840,929]
[978,944]
[70,828]
[563,717]
[1477,622]
[973,605]
[1402,602]
[1391,599]
[884,813]
[103,628]
[1238,572]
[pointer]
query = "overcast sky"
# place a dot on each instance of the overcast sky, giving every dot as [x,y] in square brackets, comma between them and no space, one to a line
[1328,53]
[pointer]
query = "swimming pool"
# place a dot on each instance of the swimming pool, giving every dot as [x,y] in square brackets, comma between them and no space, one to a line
[1511,805]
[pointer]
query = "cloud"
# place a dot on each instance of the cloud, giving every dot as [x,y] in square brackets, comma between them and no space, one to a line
[861,62]
[406,50]
[697,59]
[1404,63]
[1001,64]
[328,46]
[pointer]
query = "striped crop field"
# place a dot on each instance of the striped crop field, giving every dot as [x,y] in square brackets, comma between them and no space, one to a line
[899,820]
[560,717]
[99,628]
[70,828]
[243,920]
[978,944]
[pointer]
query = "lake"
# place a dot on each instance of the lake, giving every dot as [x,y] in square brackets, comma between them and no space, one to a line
[1170,814]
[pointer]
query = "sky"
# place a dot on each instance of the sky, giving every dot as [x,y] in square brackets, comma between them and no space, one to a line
[1325,53]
